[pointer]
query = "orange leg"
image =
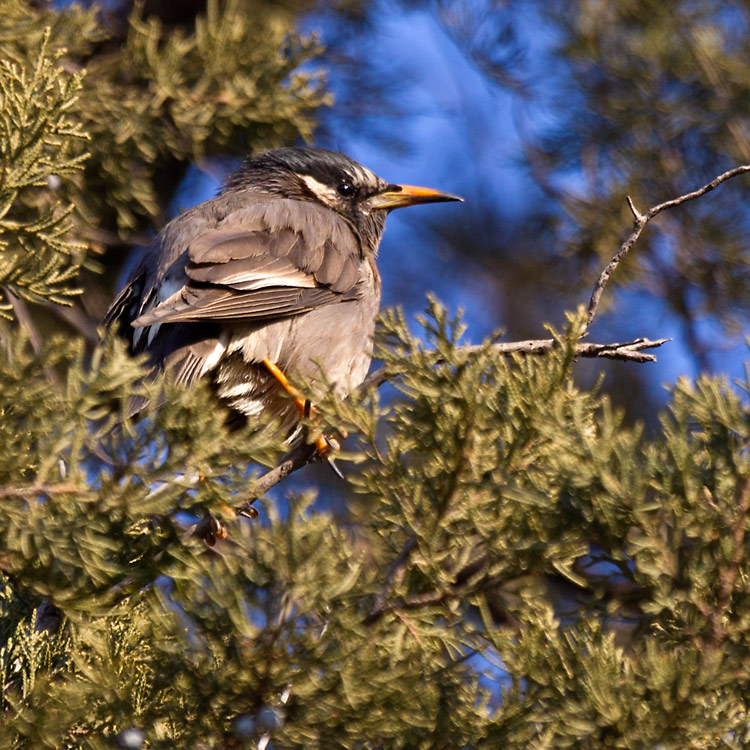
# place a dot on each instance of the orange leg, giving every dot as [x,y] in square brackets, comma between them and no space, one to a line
[301,403]
[322,443]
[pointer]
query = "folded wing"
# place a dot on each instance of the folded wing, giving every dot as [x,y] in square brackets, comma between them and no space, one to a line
[252,274]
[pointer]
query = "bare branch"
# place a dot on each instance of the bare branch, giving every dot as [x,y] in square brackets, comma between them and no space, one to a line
[421,600]
[210,528]
[33,491]
[27,322]
[629,351]
[639,224]
[75,318]
[636,214]
[299,456]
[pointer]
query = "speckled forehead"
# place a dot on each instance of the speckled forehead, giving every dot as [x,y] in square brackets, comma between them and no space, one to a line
[364,176]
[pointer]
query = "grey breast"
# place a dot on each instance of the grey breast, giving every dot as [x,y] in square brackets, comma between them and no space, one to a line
[247,276]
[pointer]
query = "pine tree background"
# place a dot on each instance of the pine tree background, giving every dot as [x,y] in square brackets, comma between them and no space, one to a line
[517,562]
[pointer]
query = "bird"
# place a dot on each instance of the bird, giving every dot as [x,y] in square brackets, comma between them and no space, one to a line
[273,281]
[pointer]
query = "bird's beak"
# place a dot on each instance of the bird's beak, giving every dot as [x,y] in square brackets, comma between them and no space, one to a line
[396,196]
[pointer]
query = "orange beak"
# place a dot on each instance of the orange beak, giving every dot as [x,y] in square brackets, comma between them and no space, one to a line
[397,196]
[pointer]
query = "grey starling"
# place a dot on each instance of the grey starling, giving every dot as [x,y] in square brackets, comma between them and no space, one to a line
[274,277]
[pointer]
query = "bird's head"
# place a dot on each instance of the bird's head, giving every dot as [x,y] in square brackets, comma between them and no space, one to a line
[334,180]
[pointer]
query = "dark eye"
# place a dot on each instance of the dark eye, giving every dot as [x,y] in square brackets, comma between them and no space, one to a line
[346,189]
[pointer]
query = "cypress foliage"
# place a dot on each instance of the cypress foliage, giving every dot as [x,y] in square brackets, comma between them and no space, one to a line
[520,569]
[40,143]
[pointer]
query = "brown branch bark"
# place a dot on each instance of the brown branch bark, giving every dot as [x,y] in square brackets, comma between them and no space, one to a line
[27,322]
[299,456]
[394,569]
[34,490]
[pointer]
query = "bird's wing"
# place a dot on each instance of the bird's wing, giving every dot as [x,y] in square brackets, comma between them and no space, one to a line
[264,269]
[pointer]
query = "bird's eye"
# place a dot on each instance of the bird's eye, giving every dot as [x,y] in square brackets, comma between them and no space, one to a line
[345,189]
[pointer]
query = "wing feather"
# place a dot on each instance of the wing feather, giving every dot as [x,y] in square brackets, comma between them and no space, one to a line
[272,259]
[217,304]
[248,274]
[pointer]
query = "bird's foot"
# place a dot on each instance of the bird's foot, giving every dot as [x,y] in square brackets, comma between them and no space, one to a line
[324,445]
[324,448]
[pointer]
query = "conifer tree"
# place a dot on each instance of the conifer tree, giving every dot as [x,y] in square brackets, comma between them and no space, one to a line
[520,568]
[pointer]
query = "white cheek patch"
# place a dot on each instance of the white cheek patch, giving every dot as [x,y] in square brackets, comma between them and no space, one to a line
[326,193]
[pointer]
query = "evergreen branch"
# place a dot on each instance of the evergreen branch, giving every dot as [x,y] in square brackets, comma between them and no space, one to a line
[40,143]
[396,567]
[639,223]
[304,453]
[728,576]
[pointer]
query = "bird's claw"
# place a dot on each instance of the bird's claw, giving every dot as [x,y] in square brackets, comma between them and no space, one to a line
[335,469]
[325,446]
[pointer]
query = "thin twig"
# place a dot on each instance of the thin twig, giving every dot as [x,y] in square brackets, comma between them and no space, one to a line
[394,569]
[75,318]
[422,600]
[631,351]
[639,222]
[112,239]
[299,456]
[34,490]
[26,321]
